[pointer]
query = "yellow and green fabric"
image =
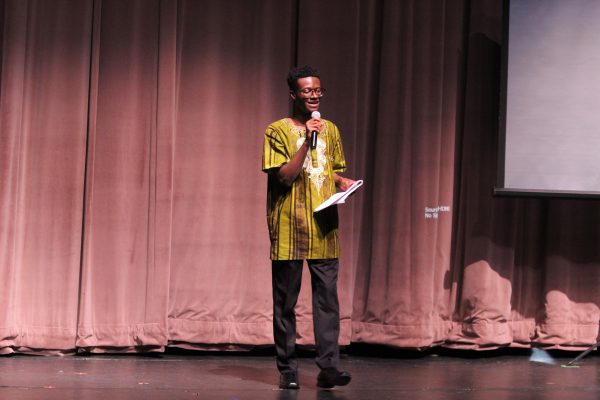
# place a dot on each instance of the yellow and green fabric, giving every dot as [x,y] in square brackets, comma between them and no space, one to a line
[296,232]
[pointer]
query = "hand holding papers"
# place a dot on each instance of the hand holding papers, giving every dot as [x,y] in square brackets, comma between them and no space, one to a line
[340,197]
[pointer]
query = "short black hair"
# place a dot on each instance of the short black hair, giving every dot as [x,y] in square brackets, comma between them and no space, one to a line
[300,72]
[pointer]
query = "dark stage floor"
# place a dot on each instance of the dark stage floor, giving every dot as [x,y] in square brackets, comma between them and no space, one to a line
[254,377]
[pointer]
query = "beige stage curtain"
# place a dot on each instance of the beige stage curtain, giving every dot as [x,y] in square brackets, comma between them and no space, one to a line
[132,204]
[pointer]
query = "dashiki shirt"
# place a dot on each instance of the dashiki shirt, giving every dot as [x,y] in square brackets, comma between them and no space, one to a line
[296,232]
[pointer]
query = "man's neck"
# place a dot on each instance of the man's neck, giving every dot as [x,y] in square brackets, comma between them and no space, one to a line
[300,117]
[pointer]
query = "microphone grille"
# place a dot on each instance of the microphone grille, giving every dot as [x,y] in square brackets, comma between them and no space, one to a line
[315,114]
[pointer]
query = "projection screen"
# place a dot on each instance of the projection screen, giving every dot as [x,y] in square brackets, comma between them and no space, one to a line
[550,103]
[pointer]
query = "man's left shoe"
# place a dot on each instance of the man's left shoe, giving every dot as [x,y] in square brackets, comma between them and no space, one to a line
[330,377]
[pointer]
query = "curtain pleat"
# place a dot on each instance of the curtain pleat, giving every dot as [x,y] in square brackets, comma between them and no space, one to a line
[43,117]
[124,286]
[230,86]
[401,295]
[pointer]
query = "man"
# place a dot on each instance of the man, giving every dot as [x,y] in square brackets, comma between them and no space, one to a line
[299,179]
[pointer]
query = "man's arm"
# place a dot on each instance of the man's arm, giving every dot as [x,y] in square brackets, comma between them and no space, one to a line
[289,171]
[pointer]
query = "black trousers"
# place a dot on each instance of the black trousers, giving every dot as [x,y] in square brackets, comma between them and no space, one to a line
[286,280]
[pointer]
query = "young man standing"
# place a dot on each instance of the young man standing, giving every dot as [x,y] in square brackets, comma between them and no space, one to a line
[302,173]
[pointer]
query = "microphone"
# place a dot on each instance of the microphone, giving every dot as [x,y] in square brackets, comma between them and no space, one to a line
[313,143]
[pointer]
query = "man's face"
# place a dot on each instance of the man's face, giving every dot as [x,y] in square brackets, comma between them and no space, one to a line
[307,96]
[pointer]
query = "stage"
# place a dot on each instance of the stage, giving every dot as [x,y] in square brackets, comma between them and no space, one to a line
[254,377]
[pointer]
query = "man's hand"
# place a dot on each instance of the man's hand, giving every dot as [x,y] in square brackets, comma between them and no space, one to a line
[312,125]
[342,183]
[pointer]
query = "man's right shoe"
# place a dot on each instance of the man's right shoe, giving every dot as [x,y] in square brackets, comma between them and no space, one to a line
[330,377]
[289,380]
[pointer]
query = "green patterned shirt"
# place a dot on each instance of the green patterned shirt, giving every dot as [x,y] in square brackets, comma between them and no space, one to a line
[296,232]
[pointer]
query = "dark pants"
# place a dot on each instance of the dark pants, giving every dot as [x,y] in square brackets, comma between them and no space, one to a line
[286,279]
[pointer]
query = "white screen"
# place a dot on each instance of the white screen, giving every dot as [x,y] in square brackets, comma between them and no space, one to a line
[552,136]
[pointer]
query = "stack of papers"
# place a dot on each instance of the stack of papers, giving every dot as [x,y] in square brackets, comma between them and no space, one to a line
[339,197]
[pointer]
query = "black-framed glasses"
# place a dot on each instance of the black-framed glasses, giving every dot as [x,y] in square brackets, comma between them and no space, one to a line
[319,91]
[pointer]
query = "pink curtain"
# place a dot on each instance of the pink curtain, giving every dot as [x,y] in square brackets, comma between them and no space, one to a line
[43,124]
[132,204]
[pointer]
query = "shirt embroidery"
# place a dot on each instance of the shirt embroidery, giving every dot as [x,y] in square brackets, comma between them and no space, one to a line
[315,174]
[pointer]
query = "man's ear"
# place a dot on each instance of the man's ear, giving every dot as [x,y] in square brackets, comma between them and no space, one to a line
[292,95]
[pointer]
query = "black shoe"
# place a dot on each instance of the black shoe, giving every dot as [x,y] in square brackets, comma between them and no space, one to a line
[288,380]
[330,377]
